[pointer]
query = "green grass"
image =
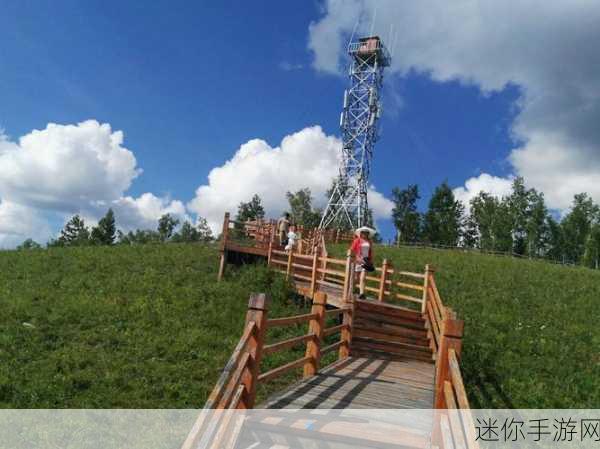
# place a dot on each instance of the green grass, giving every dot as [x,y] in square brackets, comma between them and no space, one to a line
[532,329]
[131,327]
[149,326]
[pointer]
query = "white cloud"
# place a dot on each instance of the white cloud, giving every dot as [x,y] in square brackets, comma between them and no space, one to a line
[548,49]
[307,158]
[143,212]
[66,167]
[18,223]
[495,186]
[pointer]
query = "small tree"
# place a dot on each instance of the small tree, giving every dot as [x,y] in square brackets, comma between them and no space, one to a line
[301,210]
[105,232]
[443,220]
[29,244]
[252,210]
[407,219]
[166,225]
[205,234]
[75,233]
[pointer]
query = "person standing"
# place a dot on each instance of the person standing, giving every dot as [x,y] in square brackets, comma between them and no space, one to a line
[362,249]
[283,227]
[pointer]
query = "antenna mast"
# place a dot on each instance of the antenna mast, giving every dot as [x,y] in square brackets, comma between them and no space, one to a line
[348,204]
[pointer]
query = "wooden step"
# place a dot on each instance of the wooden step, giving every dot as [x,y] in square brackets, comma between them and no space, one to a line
[389,310]
[392,348]
[390,329]
[378,319]
[372,353]
[380,334]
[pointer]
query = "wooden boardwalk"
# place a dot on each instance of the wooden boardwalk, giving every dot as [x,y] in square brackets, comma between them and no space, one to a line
[360,382]
[398,350]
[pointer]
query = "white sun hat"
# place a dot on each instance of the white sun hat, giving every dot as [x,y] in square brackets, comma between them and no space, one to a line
[371,232]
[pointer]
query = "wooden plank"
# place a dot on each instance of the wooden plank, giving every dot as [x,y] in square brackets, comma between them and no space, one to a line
[269,375]
[285,344]
[393,320]
[234,382]
[331,272]
[231,366]
[230,246]
[334,312]
[287,321]
[411,286]
[389,309]
[332,347]
[301,277]
[391,329]
[329,284]
[332,330]
[333,261]
[457,381]
[378,334]
[409,298]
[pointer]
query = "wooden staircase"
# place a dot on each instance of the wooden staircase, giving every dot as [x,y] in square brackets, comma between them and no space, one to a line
[387,331]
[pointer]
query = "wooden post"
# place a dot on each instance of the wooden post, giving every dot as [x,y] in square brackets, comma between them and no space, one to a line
[346,333]
[428,272]
[270,254]
[289,264]
[313,275]
[347,284]
[384,269]
[224,236]
[450,337]
[316,327]
[258,307]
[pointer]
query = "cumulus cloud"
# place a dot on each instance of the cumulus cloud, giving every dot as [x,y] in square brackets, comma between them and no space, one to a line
[494,185]
[307,158]
[548,49]
[66,169]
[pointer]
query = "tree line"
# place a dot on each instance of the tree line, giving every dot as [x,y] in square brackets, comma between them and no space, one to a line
[76,233]
[519,223]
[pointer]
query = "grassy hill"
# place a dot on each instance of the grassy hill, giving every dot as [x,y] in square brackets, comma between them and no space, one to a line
[149,326]
[131,327]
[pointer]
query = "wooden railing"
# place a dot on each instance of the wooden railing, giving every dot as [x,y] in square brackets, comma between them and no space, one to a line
[236,387]
[445,333]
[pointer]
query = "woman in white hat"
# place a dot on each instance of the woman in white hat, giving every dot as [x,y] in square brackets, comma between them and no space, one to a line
[362,248]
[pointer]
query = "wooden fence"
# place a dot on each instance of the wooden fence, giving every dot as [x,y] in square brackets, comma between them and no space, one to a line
[236,387]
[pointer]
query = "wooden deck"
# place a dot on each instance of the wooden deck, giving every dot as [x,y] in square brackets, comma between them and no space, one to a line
[358,382]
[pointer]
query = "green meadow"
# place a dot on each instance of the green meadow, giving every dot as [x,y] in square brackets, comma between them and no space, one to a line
[149,327]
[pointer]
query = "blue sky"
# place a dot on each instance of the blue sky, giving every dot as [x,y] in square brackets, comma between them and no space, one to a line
[188,83]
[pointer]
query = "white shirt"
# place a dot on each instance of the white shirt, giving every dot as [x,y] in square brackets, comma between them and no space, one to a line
[291,240]
[364,249]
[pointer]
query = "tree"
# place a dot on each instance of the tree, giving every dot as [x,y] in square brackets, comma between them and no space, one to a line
[139,237]
[189,233]
[492,221]
[28,245]
[407,219]
[537,225]
[591,254]
[105,232]
[252,210]
[301,210]
[166,225]
[518,207]
[204,232]
[443,221]
[75,233]
[576,226]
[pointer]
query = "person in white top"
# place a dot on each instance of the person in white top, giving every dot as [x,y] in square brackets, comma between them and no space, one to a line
[291,238]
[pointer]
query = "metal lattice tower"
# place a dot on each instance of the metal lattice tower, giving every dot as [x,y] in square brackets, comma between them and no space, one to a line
[348,204]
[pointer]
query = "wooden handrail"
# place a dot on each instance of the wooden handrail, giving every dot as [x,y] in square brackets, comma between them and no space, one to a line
[287,321]
[232,365]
